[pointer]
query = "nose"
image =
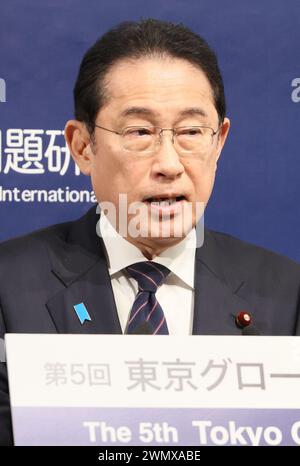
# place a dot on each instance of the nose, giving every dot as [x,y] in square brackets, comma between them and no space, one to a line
[166,162]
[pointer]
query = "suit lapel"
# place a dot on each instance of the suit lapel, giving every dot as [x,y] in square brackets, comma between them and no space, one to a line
[217,287]
[79,263]
[93,289]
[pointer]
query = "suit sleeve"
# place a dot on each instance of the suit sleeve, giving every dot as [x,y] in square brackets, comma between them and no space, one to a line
[6,436]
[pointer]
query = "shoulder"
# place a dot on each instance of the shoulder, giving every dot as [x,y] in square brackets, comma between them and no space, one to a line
[26,259]
[249,260]
[29,254]
[239,249]
[32,244]
[71,232]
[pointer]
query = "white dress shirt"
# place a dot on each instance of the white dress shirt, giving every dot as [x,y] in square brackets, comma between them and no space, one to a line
[175,295]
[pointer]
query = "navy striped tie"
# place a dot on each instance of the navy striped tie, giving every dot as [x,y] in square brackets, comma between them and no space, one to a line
[146,310]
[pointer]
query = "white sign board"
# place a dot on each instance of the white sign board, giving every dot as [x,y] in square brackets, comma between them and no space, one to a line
[145,390]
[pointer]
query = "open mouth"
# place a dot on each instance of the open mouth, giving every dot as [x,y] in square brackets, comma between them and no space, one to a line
[164,201]
[166,207]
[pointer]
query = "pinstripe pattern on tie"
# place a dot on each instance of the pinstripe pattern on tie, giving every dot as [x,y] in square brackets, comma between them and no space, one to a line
[146,308]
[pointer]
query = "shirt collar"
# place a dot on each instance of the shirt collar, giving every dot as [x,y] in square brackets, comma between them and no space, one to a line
[180,259]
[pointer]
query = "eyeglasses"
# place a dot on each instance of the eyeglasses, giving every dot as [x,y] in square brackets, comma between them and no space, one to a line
[145,139]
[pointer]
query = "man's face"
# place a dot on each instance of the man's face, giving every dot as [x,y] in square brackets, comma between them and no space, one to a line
[168,93]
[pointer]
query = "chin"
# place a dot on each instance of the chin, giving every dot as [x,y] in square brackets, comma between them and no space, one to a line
[157,245]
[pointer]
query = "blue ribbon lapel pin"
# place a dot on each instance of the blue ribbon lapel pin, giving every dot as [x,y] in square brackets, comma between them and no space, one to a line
[82,312]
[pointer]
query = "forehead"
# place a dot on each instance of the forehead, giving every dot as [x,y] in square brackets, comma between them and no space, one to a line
[162,84]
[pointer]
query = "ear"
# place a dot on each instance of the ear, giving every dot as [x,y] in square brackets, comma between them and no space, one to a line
[78,140]
[223,133]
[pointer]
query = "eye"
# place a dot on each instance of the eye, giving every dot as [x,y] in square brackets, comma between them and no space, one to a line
[190,131]
[137,132]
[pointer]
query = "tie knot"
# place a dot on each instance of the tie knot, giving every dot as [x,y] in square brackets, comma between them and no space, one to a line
[148,274]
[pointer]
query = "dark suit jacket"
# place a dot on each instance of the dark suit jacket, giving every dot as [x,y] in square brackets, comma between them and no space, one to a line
[43,275]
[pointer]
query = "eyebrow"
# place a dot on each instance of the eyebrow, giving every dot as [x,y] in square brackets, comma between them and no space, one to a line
[135,110]
[138,111]
[193,111]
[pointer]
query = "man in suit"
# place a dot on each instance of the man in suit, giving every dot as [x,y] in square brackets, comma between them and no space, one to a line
[150,125]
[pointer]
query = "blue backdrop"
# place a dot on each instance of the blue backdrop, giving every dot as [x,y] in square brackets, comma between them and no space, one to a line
[257,189]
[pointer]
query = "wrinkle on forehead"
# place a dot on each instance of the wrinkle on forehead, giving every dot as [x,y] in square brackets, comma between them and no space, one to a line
[170,75]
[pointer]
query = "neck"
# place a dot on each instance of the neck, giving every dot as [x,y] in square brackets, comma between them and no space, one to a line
[151,250]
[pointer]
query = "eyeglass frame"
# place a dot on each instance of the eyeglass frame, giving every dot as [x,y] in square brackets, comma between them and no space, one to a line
[214,132]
